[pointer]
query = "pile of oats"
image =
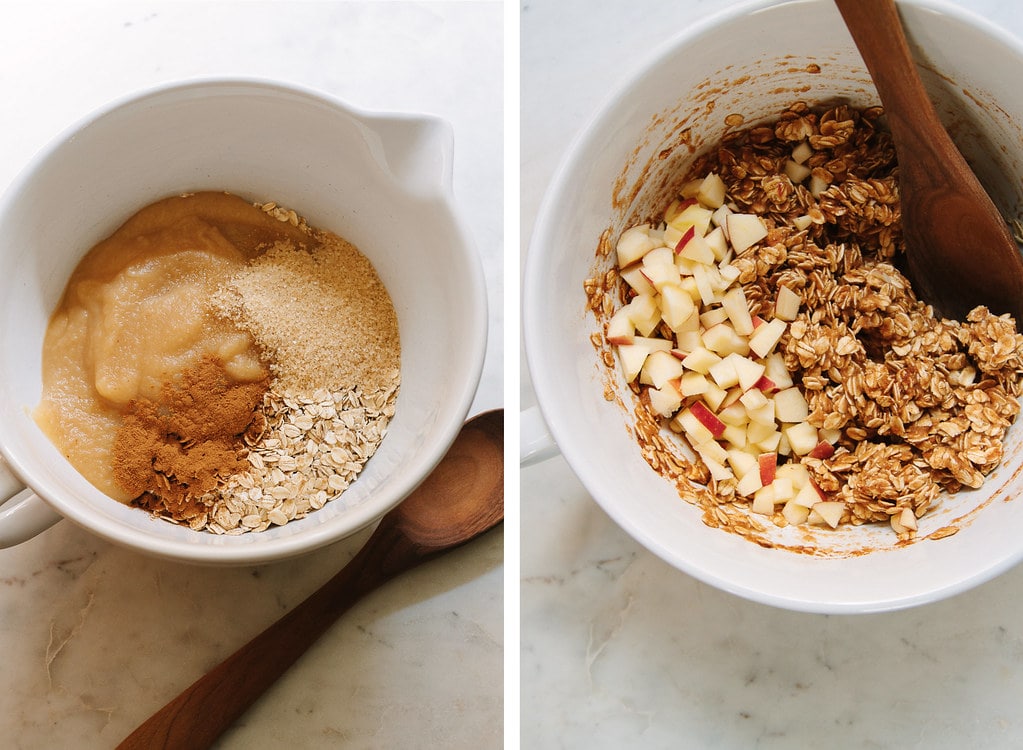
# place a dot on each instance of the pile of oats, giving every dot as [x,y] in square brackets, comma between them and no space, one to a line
[922,403]
[309,450]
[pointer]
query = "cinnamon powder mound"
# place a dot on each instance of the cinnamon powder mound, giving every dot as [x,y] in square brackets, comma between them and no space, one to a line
[170,452]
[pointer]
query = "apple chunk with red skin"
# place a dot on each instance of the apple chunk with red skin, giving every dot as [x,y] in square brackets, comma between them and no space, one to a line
[708,418]
[768,463]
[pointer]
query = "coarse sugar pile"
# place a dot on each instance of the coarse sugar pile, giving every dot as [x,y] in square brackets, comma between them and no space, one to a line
[329,334]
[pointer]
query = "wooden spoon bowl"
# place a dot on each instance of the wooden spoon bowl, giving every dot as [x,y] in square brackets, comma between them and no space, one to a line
[959,251]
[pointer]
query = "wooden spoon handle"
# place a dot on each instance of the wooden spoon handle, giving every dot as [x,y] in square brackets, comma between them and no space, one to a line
[196,718]
[877,30]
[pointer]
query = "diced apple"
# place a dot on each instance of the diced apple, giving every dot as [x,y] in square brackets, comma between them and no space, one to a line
[665,401]
[733,396]
[762,414]
[620,329]
[830,512]
[723,372]
[734,414]
[817,186]
[795,513]
[652,344]
[757,432]
[829,435]
[802,152]
[634,243]
[734,303]
[718,243]
[693,383]
[742,462]
[786,304]
[695,216]
[784,449]
[770,443]
[691,189]
[774,368]
[735,435]
[790,406]
[714,396]
[729,273]
[660,367]
[807,496]
[796,473]
[693,427]
[763,501]
[802,221]
[659,268]
[768,465]
[633,276]
[796,172]
[712,191]
[713,450]
[644,313]
[697,250]
[689,285]
[748,484]
[783,489]
[676,306]
[754,399]
[704,284]
[722,339]
[749,371]
[822,450]
[718,471]
[707,418]
[720,218]
[712,316]
[686,341]
[765,385]
[632,358]
[802,437]
[717,282]
[700,360]
[745,230]
[766,337]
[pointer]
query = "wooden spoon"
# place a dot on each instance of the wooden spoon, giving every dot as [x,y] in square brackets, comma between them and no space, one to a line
[959,251]
[461,499]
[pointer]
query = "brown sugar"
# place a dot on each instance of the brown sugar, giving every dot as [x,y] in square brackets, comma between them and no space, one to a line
[168,453]
[323,317]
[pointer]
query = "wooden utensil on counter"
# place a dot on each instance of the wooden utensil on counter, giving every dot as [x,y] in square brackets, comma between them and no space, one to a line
[461,499]
[959,251]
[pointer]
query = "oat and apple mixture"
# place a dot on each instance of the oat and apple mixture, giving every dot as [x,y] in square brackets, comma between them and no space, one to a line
[811,383]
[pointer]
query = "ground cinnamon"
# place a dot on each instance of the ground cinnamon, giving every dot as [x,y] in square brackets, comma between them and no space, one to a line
[170,452]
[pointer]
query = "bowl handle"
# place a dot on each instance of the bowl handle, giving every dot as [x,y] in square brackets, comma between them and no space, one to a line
[535,441]
[23,514]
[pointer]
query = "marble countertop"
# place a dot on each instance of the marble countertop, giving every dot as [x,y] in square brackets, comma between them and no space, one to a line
[620,650]
[95,638]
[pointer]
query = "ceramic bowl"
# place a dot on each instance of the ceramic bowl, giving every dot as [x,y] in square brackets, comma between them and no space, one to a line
[748,64]
[382,181]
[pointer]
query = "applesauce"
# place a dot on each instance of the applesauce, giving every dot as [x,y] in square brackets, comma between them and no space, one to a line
[136,314]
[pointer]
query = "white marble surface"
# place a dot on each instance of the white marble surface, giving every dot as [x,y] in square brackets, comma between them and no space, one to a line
[95,638]
[620,650]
